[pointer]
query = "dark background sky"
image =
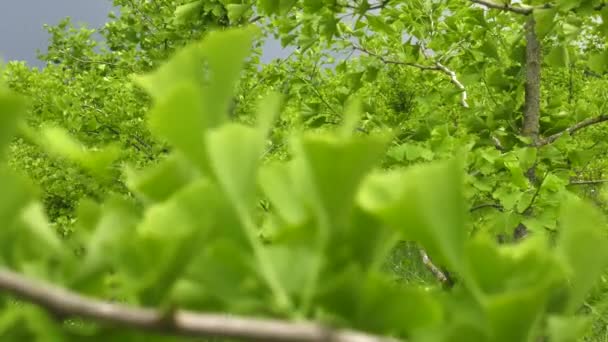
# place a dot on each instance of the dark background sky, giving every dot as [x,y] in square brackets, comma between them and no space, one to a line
[21,21]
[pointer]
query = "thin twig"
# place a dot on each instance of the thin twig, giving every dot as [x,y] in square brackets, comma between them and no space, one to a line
[536,193]
[573,129]
[437,272]
[65,303]
[588,182]
[327,104]
[449,72]
[436,67]
[255,19]
[388,61]
[143,16]
[486,205]
[118,132]
[525,10]
[456,82]
[497,143]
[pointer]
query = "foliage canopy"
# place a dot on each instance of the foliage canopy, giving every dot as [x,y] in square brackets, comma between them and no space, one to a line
[179,173]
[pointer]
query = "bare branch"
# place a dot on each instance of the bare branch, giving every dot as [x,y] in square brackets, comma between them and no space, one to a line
[452,74]
[588,182]
[255,19]
[436,67]
[573,129]
[185,323]
[487,205]
[388,61]
[147,148]
[535,196]
[525,10]
[497,143]
[380,5]
[456,82]
[437,272]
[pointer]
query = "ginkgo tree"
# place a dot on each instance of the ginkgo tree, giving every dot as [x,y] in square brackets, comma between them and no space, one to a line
[514,83]
[193,239]
[515,90]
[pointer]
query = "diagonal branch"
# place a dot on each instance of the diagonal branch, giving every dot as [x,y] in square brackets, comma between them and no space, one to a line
[436,67]
[573,129]
[525,10]
[588,182]
[487,205]
[456,82]
[452,74]
[442,276]
[388,61]
[185,323]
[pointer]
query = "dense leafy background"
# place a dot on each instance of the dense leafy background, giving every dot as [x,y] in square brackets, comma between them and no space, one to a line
[347,169]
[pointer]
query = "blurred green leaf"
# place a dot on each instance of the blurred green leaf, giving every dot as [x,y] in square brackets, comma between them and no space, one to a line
[426,204]
[583,246]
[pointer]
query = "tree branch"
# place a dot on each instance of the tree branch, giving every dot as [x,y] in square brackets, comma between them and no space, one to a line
[525,10]
[487,205]
[185,323]
[588,182]
[436,67]
[456,82]
[388,61]
[255,19]
[437,272]
[573,129]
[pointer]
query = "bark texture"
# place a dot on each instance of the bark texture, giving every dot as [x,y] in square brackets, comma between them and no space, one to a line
[531,122]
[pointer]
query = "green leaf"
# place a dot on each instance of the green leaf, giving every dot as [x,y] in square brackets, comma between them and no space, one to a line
[375,303]
[598,62]
[12,108]
[234,154]
[558,57]
[184,68]
[512,315]
[508,196]
[105,242]
[172,233]
[37,223]
[276,181]
[567,5]
[270,7]
[157,183]
[334,169]
[185,131]
[489,49]
[223,272]
[186,11]
[58,142]
[268,110]
[225,53]
[517,174]
[426,204]
[17,192]
[379,24]
[583,246]
[567,329]
[514,284]
[526,157]
[544,19]
[236,11]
